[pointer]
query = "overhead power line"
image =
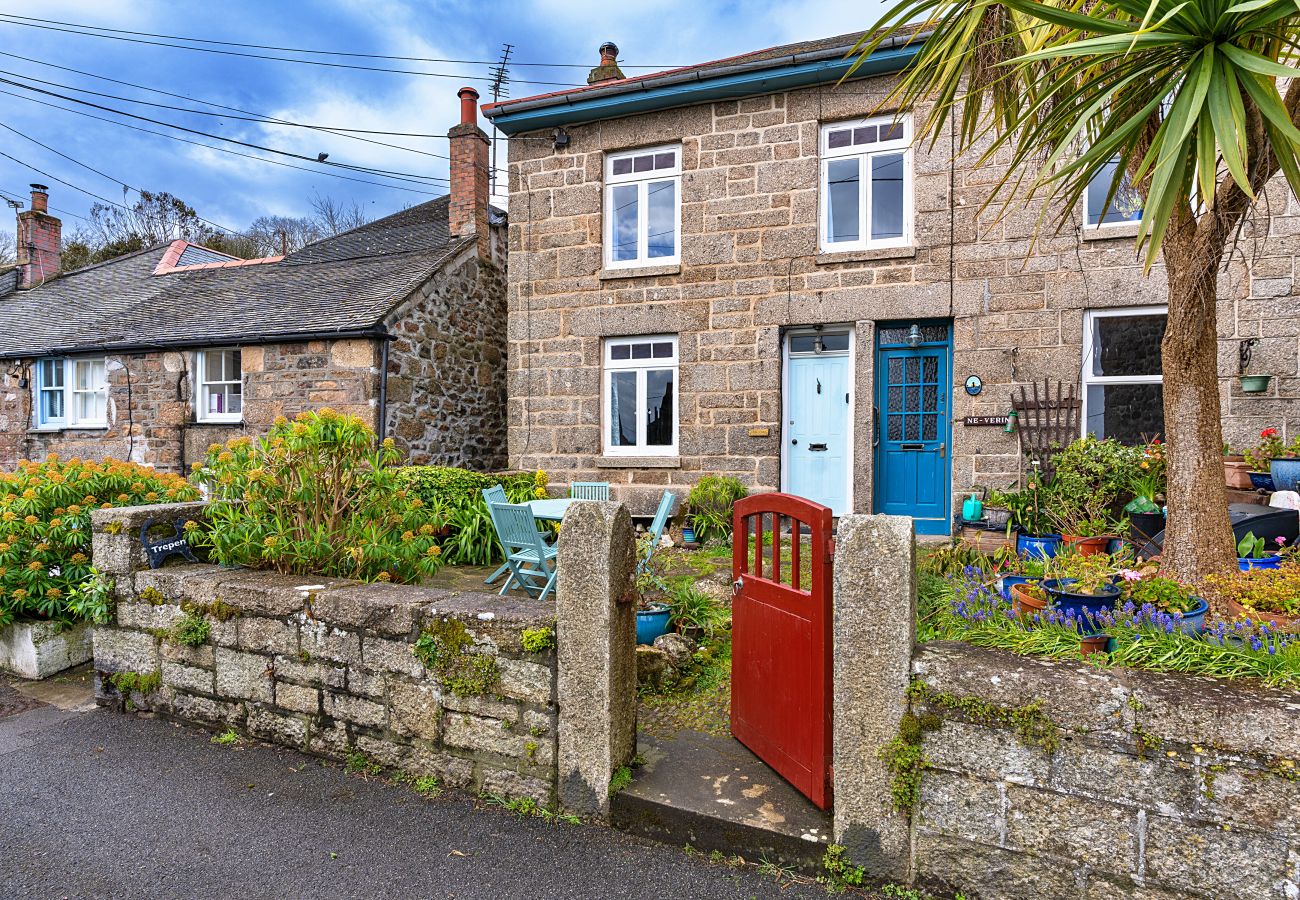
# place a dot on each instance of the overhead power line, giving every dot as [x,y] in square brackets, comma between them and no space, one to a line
[353,55]
[6,20]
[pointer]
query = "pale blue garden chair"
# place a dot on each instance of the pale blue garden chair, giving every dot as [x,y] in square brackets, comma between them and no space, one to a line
[531,561]
[662,515]
[495,494]
[589,490]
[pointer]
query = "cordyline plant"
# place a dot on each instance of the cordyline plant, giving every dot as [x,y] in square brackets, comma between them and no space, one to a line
[317,497]
[45,528]
[1191,98]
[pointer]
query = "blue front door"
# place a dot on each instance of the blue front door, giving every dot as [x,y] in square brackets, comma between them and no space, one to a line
[817,419]
[912,426]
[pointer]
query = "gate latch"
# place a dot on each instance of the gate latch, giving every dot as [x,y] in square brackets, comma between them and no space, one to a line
[737,585]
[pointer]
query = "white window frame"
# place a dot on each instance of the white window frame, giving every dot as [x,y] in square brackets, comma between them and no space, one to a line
[609,366]
[863,154]
[643,181]
[1090,316]
[1102,226]
[201,384]
[68,367]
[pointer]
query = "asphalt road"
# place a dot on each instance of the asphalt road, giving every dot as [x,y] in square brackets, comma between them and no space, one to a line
[99,804]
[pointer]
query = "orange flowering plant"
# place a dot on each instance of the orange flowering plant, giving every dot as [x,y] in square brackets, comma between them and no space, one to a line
[45,527]
[317,496]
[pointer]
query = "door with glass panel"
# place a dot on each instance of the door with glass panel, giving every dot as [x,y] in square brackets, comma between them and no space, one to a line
[911,423]
[818,398]
[640,396]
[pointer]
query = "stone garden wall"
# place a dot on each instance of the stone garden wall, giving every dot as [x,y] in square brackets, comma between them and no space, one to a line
[458,685]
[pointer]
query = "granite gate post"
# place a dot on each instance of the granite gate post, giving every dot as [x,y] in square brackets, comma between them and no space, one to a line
[873,630]
[596,634]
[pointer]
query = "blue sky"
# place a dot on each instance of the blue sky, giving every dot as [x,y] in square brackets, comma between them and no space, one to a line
[232,190]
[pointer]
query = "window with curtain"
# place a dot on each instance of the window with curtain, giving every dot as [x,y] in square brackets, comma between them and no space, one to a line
[71,392]
[640,390]
[219,386]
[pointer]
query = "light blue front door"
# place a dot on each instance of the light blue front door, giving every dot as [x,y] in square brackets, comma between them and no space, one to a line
[912,427]
[817,419]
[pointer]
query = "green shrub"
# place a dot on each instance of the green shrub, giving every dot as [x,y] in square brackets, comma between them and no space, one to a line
[471,540]
[192,631]
[692,608]
[317,497]
[709,506]
[45,529]
[1090,478]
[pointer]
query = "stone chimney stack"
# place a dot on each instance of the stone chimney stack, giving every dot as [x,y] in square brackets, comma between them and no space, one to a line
[608,69]
[467,212]
[39,241]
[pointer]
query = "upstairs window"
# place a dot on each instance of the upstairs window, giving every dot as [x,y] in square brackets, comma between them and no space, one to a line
[1125,206]
[71,393]
[220,386]
[643,207]
[641,396]
[866,184]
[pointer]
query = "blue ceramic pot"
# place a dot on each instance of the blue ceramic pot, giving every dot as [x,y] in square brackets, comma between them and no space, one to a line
[1194,620]
[1285,474]
[1043,546]
[1080,604]
[1261,481]
[1271,561]
[1007,582]
[651,623]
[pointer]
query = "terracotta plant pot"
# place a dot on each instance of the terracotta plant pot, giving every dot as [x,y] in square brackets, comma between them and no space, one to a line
[1093,643]
[1024,603]
[1236,473]
[1283,622]
[1087,546]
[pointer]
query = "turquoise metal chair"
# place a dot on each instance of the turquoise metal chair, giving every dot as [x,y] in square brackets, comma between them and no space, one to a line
[495,494]
[531,562]
[662,515]
[589,490]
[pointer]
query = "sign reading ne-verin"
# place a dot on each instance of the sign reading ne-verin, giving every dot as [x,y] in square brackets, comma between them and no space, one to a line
[977,421]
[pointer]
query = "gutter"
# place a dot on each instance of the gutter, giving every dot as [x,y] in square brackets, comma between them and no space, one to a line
[511,116]
[374,332]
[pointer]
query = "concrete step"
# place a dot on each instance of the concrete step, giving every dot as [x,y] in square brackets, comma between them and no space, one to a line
[714,794]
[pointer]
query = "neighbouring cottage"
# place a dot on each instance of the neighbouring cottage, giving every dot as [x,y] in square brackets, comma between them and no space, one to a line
[158,354]
[746,267]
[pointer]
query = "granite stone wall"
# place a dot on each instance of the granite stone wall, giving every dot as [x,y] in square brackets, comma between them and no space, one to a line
[751,267]
[1056,779]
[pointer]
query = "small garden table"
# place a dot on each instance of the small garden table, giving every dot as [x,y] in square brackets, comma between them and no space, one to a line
[551,509]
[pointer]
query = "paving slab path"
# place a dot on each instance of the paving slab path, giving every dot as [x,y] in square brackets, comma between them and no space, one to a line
[100,804]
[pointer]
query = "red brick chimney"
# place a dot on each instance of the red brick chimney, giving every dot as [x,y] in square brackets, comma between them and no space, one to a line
[39,237]
[467,212]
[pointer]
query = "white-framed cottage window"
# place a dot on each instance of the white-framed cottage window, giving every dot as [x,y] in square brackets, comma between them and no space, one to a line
[219,386]
[643,207]
[866,184]
[71,392]
[640,396]
[1123,379]
[1125,206]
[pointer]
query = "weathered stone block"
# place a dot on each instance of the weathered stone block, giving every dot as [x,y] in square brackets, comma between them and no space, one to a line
[287,731]
[1221,861]
[206,709]
[1093,832]
[273,636]
[508,783]
[413,709]
[388,754]
[354,709]
[450,770]
[296,697]
[1161,784]
[320,640]
[367,684]
[36,650]
[117,650]
[188,678]
[990,753]
[318,674]
[143,616]
[247,676]
[530,682]
[328,740]
[982,870]
[963,807]
[382,655]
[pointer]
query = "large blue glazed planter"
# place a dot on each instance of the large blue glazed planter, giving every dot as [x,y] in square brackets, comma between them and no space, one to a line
[651,623]
[1007,582]
[1286,474]
[1271,561]
[1194,619]
[1043,546]
[1067,601]
[1261,481]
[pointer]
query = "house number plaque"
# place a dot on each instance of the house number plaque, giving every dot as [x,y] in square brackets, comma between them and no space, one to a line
[982,421]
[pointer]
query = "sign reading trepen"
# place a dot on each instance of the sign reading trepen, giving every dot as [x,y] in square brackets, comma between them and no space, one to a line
[977,421]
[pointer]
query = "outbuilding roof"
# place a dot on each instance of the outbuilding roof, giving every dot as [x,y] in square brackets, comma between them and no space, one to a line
[342,285]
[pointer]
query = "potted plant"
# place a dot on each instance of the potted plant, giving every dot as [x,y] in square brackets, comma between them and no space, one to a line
[1091,478]
[1253,553]
[1259,459]
[1285,467]
[1088,536]
[1029,523]
[1168,596]
[1146,515]
[652,620]
[1255,384]
[1272,595]
[997,511]
[1236,471]
[1028,598]
[1022,570]
[1083,583]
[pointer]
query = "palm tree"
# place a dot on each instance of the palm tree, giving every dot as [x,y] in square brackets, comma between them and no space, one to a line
[1192,97]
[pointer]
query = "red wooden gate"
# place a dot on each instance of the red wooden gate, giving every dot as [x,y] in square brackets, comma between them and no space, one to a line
[781,638]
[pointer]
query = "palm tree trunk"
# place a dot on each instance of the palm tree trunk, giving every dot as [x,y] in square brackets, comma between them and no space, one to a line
[1198,536]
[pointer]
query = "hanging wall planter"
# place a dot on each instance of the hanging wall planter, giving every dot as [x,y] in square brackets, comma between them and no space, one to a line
[1255,384]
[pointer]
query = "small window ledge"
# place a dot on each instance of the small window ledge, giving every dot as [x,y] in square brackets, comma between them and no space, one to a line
[1110,232]
[638,462]
[59,429]
[852,256]
[236,423]
[639,272]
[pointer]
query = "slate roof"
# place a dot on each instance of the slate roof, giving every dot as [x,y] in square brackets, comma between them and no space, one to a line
[345,284]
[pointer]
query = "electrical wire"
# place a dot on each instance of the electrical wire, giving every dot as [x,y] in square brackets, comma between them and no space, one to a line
[306,62]
[15,195]
[434,59]
[274,162]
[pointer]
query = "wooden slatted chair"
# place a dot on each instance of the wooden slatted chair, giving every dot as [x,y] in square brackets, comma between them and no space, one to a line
[589,490]
[662,515]
[531,561]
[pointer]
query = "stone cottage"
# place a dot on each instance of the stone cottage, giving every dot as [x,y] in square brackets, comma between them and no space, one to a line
[746,267]
[155,355]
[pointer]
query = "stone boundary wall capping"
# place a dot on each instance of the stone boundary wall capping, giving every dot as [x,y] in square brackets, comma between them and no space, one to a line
[330,667]
[1047,778]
